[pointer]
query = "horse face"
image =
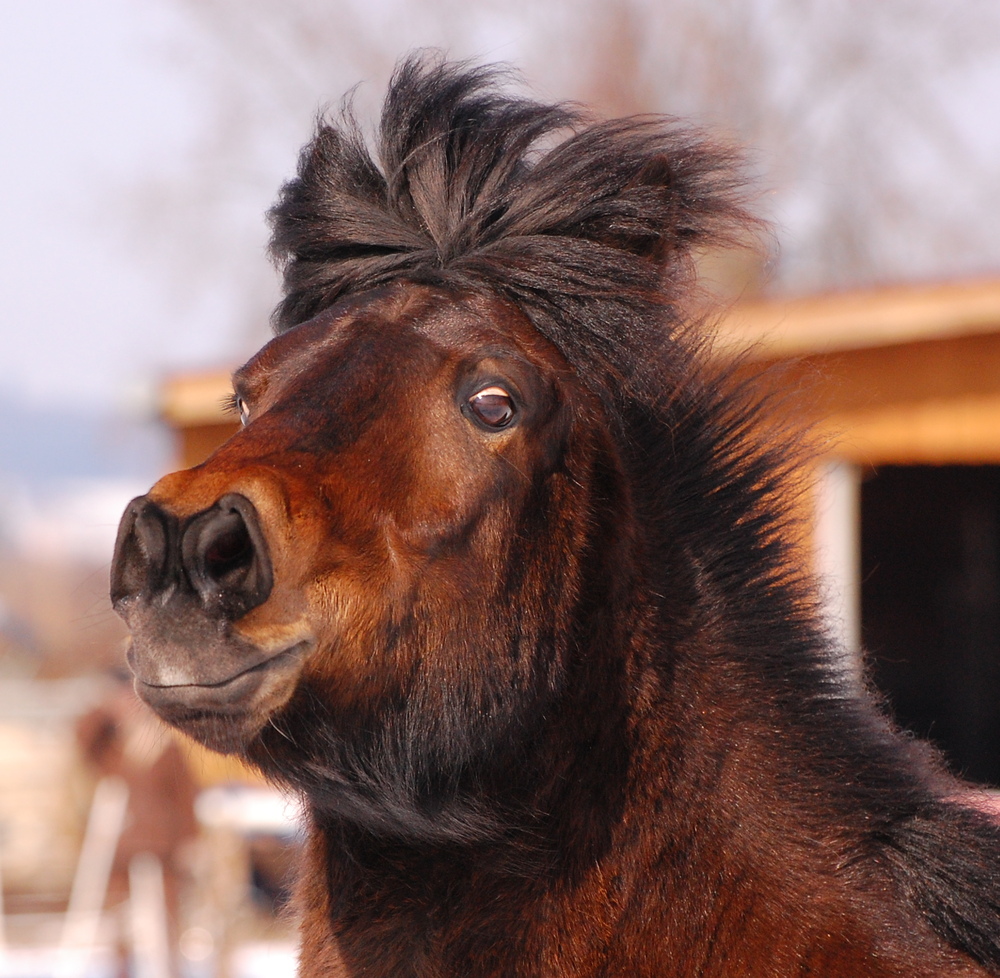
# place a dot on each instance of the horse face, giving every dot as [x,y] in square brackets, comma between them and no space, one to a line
[368,534]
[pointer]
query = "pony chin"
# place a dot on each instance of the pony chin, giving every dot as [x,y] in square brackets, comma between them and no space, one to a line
[225,716]
[424,775]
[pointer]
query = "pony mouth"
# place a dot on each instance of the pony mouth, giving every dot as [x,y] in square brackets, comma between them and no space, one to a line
[224,715]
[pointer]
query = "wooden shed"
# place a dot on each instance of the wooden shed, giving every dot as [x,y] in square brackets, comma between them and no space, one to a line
[903,387]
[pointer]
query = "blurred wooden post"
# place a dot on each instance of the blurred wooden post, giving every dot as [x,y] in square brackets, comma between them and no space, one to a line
[194,406]
[3,921]
[228,883]
[151,952]
[836,547]
[90,884]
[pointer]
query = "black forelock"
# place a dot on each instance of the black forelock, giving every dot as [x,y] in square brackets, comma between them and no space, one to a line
[588,228]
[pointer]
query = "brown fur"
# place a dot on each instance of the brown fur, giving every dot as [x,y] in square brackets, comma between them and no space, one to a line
[554,693]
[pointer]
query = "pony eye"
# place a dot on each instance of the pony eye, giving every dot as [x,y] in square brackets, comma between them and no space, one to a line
[244,411]
[493,407]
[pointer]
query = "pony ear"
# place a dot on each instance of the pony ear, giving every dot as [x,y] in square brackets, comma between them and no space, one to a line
[693,198]
[652,190]
[658,177]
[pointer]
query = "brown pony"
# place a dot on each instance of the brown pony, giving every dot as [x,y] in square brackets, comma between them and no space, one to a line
[494,574]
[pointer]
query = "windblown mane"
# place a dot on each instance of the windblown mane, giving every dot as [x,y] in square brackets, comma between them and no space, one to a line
[521,619]
[588,228]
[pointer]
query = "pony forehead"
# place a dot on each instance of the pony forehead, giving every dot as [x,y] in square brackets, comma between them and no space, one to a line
[458,324]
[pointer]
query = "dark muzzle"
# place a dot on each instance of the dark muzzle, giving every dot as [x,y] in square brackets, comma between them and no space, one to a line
[218,556]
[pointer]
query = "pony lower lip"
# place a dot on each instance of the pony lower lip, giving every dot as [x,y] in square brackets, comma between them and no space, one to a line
[293,651]
[234,694]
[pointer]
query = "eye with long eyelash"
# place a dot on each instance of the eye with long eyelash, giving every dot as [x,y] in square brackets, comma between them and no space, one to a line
[235,404]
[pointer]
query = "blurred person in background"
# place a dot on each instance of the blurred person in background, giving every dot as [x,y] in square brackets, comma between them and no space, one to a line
[120,739]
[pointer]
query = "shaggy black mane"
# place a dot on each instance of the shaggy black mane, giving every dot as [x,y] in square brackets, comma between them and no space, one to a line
[589,229]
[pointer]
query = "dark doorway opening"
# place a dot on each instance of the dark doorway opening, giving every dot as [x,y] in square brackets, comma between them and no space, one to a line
[930,605]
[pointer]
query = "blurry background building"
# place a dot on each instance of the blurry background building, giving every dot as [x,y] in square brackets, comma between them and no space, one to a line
[143,144]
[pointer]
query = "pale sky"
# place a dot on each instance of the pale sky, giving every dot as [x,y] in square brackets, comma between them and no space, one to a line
[97,102]
[91,99]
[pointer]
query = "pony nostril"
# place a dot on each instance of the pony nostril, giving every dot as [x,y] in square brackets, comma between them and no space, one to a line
[225,557]
[230,553]
[143,551]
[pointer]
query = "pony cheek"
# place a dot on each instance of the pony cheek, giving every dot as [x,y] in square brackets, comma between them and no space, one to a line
[281,622]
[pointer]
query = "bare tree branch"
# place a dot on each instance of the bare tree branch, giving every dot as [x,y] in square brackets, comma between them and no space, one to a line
[853,110]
